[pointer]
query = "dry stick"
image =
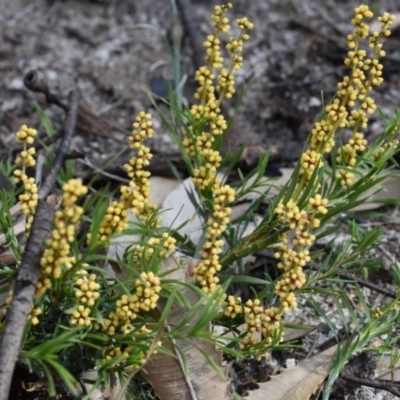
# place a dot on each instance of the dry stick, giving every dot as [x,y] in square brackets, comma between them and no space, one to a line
[29,271]
[69,129]
[387,386]
[24,290]
[370,285]
[37,83]
[86,119]
[365,283]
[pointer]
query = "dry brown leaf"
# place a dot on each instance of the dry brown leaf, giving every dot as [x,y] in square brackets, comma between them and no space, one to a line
[385,370]
[297,333]
[297,383]
[108,390]
[165,373]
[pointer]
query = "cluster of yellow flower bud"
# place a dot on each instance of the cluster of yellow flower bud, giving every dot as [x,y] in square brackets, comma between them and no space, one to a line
[33,316]
[199,142]
[29,198]
[252,316]
[349,109]
[233,306]
[355,89]
[258,321]
[127,357]
[127,307]
[353,103]
[205,272]
[294,255]
[136,195]
[57,253]
[392,142]
[159,246]
[114,221]
[86,292]
[116,351]
[221,23]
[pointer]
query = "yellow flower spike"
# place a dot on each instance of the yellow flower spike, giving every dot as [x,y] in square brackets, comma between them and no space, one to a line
[288,302]
[136,195]
[318,204]
[81,316]
[271,318]
[26,134]
[233,306]
[29,198]
[221,23]
[200,145]
[303,239]
[55,257]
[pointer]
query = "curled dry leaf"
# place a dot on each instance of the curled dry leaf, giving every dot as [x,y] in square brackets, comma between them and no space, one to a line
[388,366]
[166,373]
[297,383]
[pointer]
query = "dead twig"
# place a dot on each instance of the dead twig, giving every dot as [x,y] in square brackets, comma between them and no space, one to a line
[366,283]
[24,290]
[370,285]
[29,271]
[69,129]
[87,120]
[376,384]
[88,163]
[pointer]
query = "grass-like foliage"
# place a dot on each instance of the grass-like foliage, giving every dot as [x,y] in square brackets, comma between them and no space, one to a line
[88,316]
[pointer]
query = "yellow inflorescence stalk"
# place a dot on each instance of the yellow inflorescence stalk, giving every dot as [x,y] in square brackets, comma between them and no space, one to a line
[350,109]
[57,253]
[86,292]
[29,198]
[200,145]
[135,196]
[147,289]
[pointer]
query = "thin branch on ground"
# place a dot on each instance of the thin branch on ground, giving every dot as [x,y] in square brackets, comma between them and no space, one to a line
[28,274]
[24,290]
[69,129]
[87,120]
[366,283]
[375,384]
[370,285]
